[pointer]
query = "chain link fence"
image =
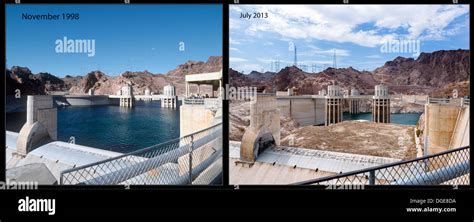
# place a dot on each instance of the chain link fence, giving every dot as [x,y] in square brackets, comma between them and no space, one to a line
[192,159]
[451,167]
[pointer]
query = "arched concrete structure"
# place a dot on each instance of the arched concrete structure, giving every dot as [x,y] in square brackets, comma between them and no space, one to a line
[258,141]
[40,126]
[264,127]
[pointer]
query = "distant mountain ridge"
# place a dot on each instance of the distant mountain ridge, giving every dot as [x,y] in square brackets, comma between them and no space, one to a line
[430,74]
[43,83]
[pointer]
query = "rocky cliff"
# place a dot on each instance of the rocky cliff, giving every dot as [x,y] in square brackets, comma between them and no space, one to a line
[42,83]
[28,83]
[435,73]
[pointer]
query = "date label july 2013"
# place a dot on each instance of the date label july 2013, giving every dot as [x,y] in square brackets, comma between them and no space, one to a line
[255,15]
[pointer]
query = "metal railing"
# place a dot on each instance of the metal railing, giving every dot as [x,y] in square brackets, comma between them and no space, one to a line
[213,103]
[439,100]
[189,101]
[466,101]
[450,101]
[450,167]
[190,159]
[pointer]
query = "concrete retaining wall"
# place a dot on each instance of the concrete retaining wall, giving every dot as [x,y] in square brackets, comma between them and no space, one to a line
[89,100]
[193,118]
[460,136]
[306,111]
[440,123]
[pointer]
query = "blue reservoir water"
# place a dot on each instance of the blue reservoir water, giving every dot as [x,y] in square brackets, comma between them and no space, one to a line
[397,118]
[117,128]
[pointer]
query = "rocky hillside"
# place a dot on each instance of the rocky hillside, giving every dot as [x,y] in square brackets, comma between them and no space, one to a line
[431,73]
[31,84]
[103,84]
[266,76]
[20,77]
[213,64]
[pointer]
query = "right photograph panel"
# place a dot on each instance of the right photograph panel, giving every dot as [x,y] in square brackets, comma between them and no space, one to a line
[349,95]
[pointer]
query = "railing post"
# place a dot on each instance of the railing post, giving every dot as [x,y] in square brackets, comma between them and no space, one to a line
[372,177]
[191,148]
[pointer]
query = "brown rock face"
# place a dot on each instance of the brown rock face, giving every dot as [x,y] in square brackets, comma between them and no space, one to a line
[428,73]
[88,81]
[431,73]
[22,78]
[31,84]
[213,64]
[103,84]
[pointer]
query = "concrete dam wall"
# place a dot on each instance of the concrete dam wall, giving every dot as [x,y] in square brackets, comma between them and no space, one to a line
[446,127]
[305,110]
[90,100]
[460,136]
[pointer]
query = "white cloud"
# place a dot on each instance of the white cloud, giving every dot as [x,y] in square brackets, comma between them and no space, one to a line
[235,49]
[367,25]
[237,59]
[234,24]
[328,52]
[247,68]
[373,56]
[235,8]
[319,62]
[233,41]
[265,60]
[285,62]
[268,43]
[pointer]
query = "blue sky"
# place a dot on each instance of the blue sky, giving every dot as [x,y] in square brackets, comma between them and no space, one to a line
[127,37]
[356,33]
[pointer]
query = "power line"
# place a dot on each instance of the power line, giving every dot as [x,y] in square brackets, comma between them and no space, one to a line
[304,67]
[314,68]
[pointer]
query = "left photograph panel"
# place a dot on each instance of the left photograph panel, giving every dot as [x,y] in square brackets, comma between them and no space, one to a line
[114,94]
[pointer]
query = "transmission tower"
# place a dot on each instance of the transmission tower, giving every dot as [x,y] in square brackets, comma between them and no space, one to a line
[277,66]
[304,67]
[314,68]
[334,65]
[296,59]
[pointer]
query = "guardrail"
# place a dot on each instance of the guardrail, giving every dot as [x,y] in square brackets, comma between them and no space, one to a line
[178,161]
[439,100]
[213,103]
[189,101]
[466,101]
[445,101]
[451,167]
[450,101]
